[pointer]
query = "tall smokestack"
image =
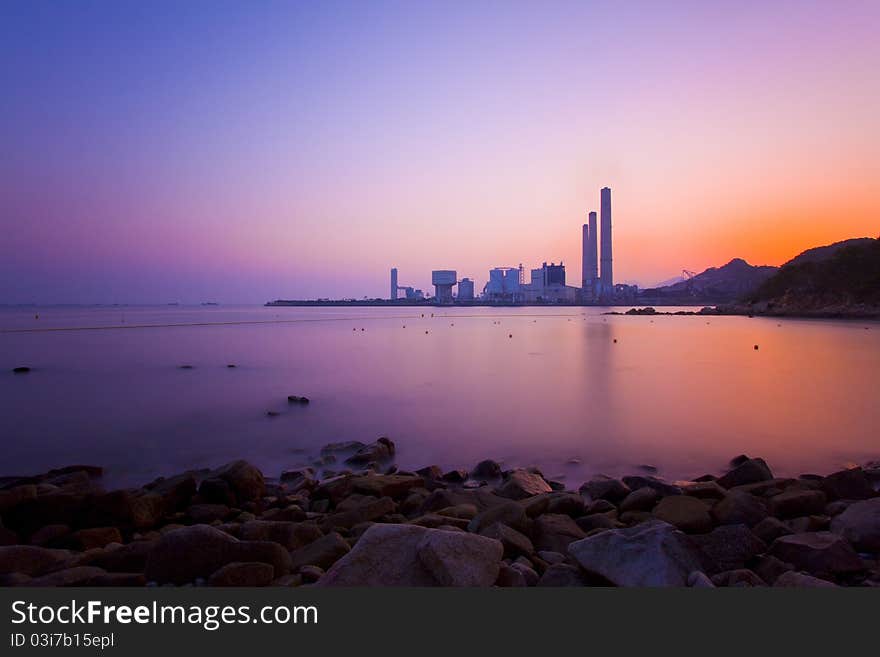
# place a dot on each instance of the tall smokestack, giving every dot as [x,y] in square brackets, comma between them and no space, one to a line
[594,254]
[585,258]
[607,268]
[394,284]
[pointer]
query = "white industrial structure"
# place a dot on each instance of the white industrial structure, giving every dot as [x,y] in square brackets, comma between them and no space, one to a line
[443,280]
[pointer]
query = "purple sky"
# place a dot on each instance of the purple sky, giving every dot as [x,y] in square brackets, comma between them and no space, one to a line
[240,152]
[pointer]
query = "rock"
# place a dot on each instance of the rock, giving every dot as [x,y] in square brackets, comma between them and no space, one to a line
[184,554]
[529,575]
[860,525]
[208,513]
[510,577]
[290,535]
[482,498]
[770,528]
[600,506]
[704,490]
[176,492]
[8,537]
[334,489]
[379,451]
[795,502]
[408,555]
[368,510]
[245,480]
[769,568]
[238,573]
[836,508]
[430,473]
[394,486]
[323,552]
[130,509]
[848,485]
[817,553]
[699,580]
[487,469]
[602,487]
[215,490]
[462,511]
[641,499]
[555,531]
[749,471]
[30,559]
[509,513]
[311,574]
[687,513]
[76,576]
[295,399]
[50,535]
[663,488]
[596,521]
[795,579]
[738,577]
[131,557]
[521,484]
[552,557]
[11,497]
[737,461]
[346,446]
[730,547]
[808,524]
[651,554]
[562,574]
[514,542]
[301,479]
[738,508]
[21,369]
[96,537]
[455,476]
[117,579]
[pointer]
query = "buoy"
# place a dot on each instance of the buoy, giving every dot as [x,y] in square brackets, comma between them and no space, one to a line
[230,365]
[615,340]
[362,329]
[756,347]
[426,333]
[510,335]
[21,370]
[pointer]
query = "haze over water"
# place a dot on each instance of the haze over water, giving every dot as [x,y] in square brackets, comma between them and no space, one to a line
[684,394]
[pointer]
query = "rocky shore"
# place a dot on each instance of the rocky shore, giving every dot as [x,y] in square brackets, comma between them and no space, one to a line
[370,524]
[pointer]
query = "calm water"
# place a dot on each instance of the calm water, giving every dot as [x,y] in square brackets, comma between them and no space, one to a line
[683,394]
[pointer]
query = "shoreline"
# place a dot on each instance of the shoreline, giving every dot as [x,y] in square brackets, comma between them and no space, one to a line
[372,524]
[727,311]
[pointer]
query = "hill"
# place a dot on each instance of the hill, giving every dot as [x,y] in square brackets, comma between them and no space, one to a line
[715,285]
[838,280]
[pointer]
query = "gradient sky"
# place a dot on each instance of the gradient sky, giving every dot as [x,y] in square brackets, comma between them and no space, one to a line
[245,151]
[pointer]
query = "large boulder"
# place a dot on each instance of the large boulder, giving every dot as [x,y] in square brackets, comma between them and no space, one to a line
[687,513]
[860,525]
[245,480]
[739,508]
[487,469]
[239,573]
[408,555]
[653,553]
[380,451]
[185,554]
[508,513]
[663,488]
[796,502]
[132,509]
[555,531]
[322,552]
[850,484]
[514,542]
[602,487]
[792,578]
[290,535]
[641,499]
[521,484]
[176,492]
[750,471]
[730,546]
[393,485]
[818,553]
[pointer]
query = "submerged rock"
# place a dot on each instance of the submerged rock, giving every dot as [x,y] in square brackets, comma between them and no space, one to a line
[294,399]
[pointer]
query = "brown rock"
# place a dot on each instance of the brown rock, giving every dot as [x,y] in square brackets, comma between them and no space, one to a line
[817,553]
[290,535]
[641,499]
[770,528]
[687,513]
[555,531]
[795,579]
[860,525]
[322,552]
[521,484]
[95,537]
[738,508]
[849,484]
[31,559]
[797,502]
[513,541]
[730,547]
[748,472]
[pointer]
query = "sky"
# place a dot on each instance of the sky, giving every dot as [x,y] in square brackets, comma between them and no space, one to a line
[155,152]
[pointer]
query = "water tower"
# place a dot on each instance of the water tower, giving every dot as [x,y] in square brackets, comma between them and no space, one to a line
[443,280]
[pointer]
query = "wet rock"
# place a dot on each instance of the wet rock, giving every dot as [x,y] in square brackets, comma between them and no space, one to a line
[794,502]
[663,488]
[346,446]
[184,554]
[238,573]
[860,525]
[455,476]
[529,575]
[521,484]
[600,506]
[769,529]
[301,479]
[769,568]
[730,547]
[129,509]
[737,508]
[742,577]
[848,485]
[334,489]
[687,513]
[176,492]
[215,490]
[30,559]
[817,553]
[749,471]
[323,552]
[514,542]
[602,487]
[430,473]
[651,554]
[369,509]
[407,555]
[596,521]
[641,499]
[131,557]
[562,574]
[555,531]
[704,490]
[487,469]
[245,480]
[380,451]
[394,486]
[795,579]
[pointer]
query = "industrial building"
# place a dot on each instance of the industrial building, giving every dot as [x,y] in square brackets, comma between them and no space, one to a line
[547,284]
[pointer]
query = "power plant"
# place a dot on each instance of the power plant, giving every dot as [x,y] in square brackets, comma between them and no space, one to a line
[546,284]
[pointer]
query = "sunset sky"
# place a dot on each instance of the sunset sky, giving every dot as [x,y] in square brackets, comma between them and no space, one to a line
[244,151]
